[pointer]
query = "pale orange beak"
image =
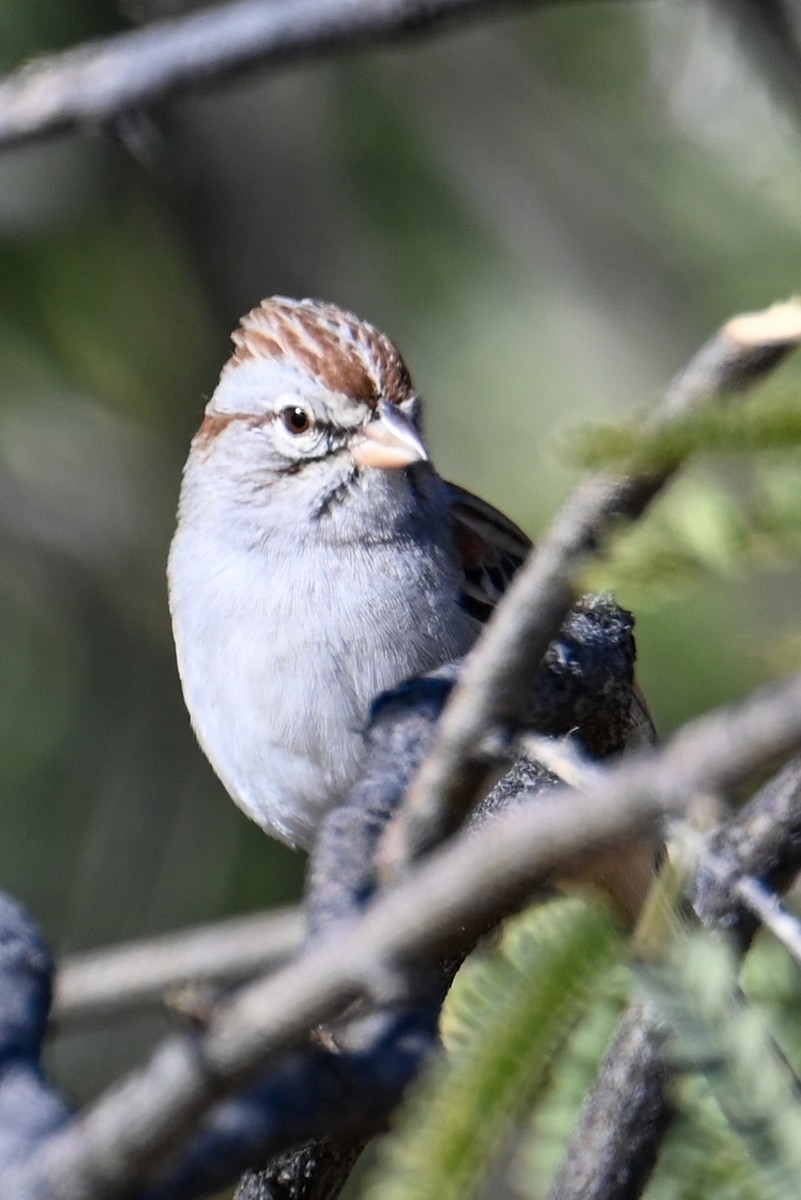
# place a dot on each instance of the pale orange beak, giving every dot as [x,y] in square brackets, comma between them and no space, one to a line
[390,440]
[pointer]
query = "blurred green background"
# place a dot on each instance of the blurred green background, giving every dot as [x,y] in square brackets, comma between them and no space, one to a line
[549,211]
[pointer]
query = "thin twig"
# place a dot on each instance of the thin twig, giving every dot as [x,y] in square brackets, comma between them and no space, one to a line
[462,887]
[765,904]
[562,758]
[106,983]
[492,686]
[101,80]
[763,841]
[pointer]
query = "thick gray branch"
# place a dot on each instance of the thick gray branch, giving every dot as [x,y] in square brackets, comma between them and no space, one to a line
[101,80]
[461,888]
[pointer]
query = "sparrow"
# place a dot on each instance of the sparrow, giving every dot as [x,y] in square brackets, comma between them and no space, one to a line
[319,559]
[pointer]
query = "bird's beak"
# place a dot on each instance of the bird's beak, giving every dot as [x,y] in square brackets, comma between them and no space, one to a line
[389,440]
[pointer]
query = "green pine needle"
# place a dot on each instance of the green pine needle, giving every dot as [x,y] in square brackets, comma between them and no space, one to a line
[773,423]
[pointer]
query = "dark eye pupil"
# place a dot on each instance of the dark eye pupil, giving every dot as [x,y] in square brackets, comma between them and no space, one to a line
[297,420]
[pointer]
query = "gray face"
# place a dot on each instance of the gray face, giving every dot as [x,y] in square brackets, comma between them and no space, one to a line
[299,455]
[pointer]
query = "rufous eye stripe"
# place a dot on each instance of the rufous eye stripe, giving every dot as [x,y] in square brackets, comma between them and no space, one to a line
[213,425]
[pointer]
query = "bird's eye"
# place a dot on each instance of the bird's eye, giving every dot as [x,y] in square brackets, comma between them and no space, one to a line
[296,420]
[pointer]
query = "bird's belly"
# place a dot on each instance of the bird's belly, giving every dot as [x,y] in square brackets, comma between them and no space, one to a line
[279,698]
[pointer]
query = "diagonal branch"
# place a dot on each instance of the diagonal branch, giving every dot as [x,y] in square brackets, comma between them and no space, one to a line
[101,80]
[461,888]
[766,906]
[493,683]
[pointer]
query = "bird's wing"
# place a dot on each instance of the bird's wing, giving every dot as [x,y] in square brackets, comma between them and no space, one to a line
[492,549]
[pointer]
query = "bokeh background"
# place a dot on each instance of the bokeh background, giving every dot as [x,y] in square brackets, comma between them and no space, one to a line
[548,210]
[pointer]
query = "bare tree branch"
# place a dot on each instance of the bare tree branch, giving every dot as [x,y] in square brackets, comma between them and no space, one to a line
[99,81]
[106,983]
[102,80]
[462,887]
[492,686]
